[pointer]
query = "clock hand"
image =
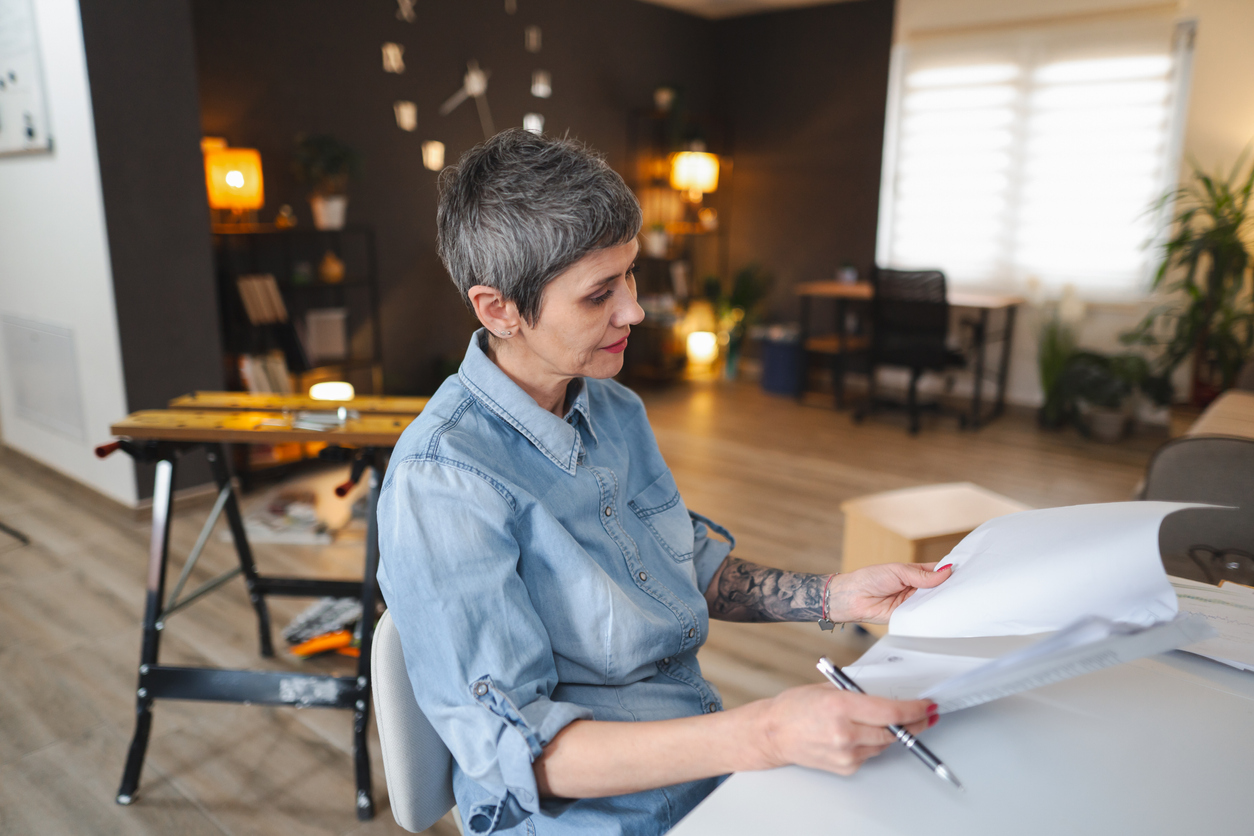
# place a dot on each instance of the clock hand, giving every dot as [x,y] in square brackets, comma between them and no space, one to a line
[453,101]
[485,116]
[474,83]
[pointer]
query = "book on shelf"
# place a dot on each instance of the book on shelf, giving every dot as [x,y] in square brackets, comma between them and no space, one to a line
[266,373]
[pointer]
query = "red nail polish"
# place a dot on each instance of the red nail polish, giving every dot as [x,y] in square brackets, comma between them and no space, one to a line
[946,566]
[933,708]
[931,719]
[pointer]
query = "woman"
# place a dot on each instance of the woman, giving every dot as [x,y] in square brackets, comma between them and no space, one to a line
[550,588]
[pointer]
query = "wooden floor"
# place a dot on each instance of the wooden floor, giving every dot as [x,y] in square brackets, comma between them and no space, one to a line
[770,469]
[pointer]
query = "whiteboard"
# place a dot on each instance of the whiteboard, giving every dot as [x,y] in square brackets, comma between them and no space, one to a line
[23,114]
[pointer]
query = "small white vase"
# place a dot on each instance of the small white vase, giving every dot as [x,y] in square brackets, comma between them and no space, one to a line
[329,210]
[656,243]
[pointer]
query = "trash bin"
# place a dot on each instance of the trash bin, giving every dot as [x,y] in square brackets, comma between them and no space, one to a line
[781,359]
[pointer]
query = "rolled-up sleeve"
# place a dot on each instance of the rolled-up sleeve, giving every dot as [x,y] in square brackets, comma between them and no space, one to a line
[477,653]
[707,553]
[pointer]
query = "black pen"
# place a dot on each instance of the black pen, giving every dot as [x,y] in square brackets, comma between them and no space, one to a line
[842,681]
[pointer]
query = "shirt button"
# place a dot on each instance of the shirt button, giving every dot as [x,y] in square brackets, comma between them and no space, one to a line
[481,689]
[666,661]
[608,511]
[644,576]
[711,708]
[692,631]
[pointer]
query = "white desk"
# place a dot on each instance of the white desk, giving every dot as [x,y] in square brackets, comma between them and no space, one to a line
[1159,746]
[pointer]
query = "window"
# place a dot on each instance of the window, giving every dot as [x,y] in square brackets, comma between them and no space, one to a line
[1032,156]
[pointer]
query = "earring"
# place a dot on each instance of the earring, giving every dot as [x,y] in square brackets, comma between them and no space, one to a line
[504,333]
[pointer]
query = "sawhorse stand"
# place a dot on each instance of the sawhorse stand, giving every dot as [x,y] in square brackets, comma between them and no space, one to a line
[157,681]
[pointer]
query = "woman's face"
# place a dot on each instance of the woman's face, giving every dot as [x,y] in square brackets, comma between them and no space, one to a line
[585,317]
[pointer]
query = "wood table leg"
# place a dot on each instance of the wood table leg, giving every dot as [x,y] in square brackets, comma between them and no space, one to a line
[981,343]
[1003,371]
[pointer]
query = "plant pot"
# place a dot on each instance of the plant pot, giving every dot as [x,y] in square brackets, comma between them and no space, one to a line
[1105,424]
[329,210]
[656,243]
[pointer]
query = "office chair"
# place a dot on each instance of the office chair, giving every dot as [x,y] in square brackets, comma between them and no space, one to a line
[1206,544]
[416,763]
[909,327]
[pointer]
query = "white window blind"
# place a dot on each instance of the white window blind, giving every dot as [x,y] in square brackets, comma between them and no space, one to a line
[1031,155]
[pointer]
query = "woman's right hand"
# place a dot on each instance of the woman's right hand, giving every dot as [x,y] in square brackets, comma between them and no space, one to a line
[824,728]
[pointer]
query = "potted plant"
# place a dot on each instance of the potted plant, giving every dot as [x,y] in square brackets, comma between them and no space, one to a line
[1212,320]
[1054,351]
[750,287]
[324,165]
[1096,391]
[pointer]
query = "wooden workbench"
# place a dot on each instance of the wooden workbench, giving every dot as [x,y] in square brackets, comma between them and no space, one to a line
[245,401]
[211,420]
[257,427]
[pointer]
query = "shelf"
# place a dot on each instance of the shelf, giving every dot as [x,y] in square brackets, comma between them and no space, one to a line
[286,286]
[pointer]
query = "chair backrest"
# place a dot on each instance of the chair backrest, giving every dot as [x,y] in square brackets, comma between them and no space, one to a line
[417,764]
[1206,544]
[909,308]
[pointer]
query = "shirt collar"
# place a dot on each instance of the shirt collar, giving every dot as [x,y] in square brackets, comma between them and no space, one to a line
[556,438]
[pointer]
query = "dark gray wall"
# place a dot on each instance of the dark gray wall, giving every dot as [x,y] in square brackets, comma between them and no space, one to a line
[141,65]
[805,94]
[271,70]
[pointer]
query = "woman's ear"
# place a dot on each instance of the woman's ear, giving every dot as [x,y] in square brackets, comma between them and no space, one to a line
[495,313]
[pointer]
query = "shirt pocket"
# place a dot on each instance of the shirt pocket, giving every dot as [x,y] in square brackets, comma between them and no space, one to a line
[663,513]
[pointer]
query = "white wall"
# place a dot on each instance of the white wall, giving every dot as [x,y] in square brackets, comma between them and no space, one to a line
[1220,122]
[54,263]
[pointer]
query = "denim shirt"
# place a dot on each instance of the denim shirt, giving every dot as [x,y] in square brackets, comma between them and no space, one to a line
[542,570]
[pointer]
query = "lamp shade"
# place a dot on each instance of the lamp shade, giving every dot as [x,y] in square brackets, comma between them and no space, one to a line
[695,172]
[233,178]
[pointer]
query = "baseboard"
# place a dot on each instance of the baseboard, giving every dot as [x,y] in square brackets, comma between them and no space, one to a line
[106,506]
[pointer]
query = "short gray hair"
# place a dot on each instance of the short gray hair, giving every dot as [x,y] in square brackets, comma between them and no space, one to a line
[520,209]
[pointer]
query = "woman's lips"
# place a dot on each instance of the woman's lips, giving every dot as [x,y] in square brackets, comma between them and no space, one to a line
[617,347]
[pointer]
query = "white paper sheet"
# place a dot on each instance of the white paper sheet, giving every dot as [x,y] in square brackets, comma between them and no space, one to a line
[896,667]
[887,670]
[1086,646]
[1039,571]
[1230,610]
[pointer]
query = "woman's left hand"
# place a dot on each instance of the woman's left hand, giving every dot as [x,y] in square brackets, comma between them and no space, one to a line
[872,593]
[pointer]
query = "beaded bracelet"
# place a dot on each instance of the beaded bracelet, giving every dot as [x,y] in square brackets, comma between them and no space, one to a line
[825,621]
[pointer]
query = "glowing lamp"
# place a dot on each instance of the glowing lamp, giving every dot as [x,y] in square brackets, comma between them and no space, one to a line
[694,172]
[332,390]
[233,178]
[702,347]
[433,155]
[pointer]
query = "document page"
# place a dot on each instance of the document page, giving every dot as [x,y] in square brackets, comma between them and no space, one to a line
[1228,608]
[895,667]
[1038,571]
[1086,646]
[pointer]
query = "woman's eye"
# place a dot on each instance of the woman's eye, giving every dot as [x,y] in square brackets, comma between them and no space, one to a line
[601,300]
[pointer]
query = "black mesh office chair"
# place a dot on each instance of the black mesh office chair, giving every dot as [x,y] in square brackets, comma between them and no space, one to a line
[1206,544]
[909,328]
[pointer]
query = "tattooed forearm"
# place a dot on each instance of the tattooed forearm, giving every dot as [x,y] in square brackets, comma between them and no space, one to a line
[743,591]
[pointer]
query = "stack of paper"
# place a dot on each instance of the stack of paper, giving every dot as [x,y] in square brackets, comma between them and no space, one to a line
[1229,609]
[1038,571]
[893,668]
[1089,577]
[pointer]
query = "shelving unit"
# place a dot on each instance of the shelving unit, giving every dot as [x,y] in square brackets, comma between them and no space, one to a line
[293,257]
[657,353]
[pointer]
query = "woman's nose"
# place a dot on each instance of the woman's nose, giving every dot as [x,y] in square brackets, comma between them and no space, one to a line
[628,312]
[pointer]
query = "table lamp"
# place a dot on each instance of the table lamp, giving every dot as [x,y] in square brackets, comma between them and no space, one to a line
[234,182]
[694,172]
